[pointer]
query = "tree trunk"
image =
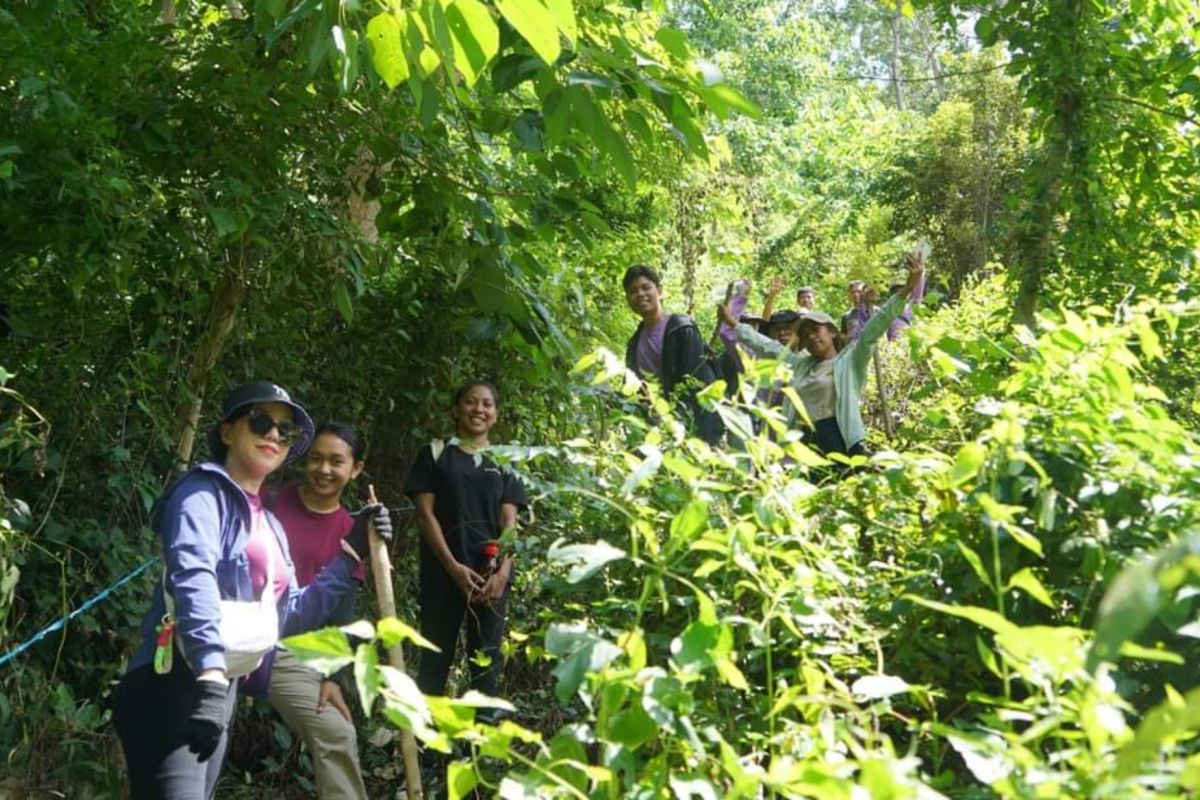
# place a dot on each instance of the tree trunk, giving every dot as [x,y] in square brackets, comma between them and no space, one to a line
[1038,231]
[221,318]
[895,58]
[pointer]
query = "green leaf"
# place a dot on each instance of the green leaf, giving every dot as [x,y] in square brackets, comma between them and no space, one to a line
[967,461]
[385,33]
[476,37]
[536,25]
[564,18]
[527,127]
[345,43]
[724,99]
[1137,593]
[366,674]
[325,650]
[1133,650]
[404,705]
[632,728]
[581,652]
[985,29]
[1054,652]
[984,617]
[1025,580]
[514,69]
[976,563]
[690,522]
[392,631]
[592,120]
[585,559]
[225,221]
[1172,719]
[675,42]
[461,778]
[341,298]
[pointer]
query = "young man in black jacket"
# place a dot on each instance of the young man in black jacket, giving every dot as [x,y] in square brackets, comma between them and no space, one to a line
[669,347]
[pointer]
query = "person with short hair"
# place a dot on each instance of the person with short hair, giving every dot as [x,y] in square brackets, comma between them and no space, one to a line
[174,706]
[669,347]
[806,298]
[862,300]
[830,375]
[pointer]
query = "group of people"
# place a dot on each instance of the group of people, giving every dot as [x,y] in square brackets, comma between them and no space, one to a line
[829,361]
[245,564]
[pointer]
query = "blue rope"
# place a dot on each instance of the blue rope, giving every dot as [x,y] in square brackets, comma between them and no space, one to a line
[42,634]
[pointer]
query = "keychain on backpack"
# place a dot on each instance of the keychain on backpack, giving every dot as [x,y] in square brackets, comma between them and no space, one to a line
[164,648]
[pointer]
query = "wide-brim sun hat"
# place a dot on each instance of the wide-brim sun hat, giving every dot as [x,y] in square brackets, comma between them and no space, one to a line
[252,393]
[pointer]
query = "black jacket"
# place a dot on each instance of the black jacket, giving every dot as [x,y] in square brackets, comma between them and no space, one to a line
[683,355]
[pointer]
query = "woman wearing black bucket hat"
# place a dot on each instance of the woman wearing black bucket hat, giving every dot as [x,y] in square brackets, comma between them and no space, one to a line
[227,593]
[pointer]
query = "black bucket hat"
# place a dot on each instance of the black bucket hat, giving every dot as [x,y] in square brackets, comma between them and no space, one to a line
[249,394]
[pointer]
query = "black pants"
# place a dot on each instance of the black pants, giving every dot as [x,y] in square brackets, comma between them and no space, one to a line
[826,436]
[443,607]
[149,712]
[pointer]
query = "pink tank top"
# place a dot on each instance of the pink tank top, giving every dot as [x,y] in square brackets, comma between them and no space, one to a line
[262,545]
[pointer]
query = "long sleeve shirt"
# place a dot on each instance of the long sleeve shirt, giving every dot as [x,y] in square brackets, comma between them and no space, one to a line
[905,319]
[849,367]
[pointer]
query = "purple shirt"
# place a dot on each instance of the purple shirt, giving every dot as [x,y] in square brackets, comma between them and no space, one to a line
[905,319]
[736,306]
[650,347]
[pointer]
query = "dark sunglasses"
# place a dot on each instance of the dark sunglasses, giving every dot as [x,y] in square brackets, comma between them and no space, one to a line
[261,423]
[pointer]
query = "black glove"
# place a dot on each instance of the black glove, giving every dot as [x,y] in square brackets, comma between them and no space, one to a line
[357,537]
[204,727]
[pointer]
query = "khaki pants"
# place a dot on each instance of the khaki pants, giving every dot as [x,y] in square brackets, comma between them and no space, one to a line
[330,739]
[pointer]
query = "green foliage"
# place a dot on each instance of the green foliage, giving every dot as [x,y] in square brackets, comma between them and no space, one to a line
[721,625]
[391,198]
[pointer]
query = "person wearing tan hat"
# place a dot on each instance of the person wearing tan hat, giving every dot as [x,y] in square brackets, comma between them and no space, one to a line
[829,377]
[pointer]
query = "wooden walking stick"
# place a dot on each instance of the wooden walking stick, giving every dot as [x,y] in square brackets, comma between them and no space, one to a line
[888,426]
[381,568]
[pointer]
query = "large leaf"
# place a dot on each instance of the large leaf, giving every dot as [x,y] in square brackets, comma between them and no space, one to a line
[1025,580]
[476,37]
[580,651]
[536,25]
[325,650]
[385,33]
[591,119]
[585,560]
[564,17]
[985,617]
[1175,717]
[1137,594]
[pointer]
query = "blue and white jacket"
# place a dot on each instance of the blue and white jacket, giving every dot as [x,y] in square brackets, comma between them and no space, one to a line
[204,521]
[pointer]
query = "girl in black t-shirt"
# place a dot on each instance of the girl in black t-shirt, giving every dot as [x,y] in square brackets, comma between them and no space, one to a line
[464,502]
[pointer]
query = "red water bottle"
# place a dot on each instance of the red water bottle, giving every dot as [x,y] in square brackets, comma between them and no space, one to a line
[491,551]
